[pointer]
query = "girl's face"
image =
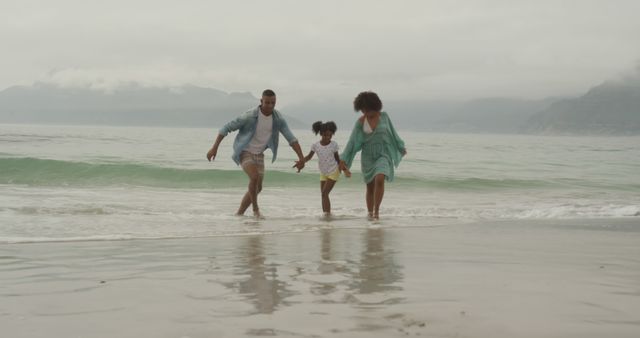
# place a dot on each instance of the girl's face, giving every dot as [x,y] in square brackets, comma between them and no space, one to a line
[326,136]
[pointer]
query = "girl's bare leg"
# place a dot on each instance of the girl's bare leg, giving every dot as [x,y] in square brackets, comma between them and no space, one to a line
[326,189]
[322,183]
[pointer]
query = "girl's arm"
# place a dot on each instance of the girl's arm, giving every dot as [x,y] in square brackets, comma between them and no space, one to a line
[300,163]
[308,157]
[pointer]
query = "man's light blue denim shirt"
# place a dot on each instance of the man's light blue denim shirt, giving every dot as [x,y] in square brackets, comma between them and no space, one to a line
[246,126]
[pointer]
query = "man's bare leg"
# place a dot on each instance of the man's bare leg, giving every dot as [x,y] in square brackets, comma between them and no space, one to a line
[255,186]
[244,205]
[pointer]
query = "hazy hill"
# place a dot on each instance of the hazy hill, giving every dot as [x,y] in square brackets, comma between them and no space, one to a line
[612,108]
[129,105]
[197,106]
[491,115]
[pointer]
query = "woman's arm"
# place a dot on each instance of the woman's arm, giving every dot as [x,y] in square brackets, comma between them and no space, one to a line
[353,146]
[341,167]
[397,140]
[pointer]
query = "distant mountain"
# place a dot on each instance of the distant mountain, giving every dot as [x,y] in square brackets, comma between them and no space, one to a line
[490,115]
[408,114]
[187,106]
[612,108]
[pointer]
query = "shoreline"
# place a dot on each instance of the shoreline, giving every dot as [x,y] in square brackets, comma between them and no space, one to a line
[245,223]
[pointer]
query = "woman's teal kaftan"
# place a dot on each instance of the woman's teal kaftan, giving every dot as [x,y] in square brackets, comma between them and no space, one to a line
[381,150]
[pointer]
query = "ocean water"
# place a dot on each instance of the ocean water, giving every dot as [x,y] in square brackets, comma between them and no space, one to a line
[71,183]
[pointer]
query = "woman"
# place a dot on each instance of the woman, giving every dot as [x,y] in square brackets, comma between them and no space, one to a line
[382,148]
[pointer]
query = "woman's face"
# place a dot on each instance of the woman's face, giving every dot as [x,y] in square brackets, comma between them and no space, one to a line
[369,112]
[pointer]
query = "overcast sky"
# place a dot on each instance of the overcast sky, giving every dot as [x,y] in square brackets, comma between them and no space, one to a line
[318,49]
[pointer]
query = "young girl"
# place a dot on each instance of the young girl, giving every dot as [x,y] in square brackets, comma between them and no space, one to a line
[328,161]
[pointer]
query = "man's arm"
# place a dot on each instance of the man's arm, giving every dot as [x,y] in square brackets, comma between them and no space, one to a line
[234,125]
[293,142]
[213,152]
[300,162]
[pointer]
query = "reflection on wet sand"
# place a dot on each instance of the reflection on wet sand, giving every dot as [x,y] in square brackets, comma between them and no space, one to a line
[329,264]
[367,268]
[378,271]
[260,285]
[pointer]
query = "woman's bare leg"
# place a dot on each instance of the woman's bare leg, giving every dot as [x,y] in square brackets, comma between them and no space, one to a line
[369,197]
[378,194]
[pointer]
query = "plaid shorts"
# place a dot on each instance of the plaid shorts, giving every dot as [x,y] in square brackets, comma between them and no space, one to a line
[247,158]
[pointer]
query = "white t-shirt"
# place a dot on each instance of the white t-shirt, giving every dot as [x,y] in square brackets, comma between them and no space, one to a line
[326,158]
[263,132]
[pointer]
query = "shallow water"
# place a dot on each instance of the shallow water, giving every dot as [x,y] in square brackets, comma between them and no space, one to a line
[69,183]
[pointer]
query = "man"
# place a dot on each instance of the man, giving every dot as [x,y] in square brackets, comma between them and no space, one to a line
[258,130]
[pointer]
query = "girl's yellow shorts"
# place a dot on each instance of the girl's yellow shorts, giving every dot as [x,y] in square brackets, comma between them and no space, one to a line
[333,176]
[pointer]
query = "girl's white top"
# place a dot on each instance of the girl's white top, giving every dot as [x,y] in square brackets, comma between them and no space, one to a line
[326,158]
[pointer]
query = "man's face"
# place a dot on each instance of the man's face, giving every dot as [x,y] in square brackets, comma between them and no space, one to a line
[267,104]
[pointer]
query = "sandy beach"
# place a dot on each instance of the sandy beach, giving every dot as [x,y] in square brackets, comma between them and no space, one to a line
[500,279]
[177,169]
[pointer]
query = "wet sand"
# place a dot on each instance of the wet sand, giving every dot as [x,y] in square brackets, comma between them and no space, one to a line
[499,279]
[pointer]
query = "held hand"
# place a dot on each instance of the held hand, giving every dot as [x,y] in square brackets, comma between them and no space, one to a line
[343,166]
[299,165]
[211,154]
[344,169]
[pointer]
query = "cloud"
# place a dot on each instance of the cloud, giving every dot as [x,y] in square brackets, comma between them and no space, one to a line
[109,79]
[457,49]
